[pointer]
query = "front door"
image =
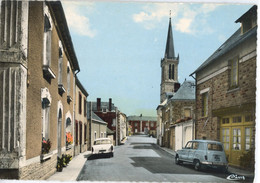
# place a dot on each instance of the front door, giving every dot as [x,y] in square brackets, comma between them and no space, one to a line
[236,149]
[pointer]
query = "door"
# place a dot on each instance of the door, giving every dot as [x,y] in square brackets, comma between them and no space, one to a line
[236,150]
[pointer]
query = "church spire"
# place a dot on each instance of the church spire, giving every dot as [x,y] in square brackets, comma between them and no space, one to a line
[169,51]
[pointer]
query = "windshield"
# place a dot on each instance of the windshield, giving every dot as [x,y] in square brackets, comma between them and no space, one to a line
[215,147]
[99,142]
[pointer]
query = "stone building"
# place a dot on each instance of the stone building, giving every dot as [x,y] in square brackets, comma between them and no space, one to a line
[142,124]
[225,93]
[181,115]
[81,123]
[37,79]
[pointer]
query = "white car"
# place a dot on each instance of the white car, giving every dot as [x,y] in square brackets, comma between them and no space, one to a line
[103,146]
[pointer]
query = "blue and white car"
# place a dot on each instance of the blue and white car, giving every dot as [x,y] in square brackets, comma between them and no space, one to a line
[202,154]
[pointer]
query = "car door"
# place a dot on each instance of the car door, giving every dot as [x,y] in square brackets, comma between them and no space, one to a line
[185,151]
[193,151]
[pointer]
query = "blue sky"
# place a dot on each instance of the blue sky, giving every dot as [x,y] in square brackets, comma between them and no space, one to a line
[119,45]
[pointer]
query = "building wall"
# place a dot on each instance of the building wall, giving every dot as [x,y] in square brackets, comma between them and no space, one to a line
[225,103]
[97,128]
[81,119]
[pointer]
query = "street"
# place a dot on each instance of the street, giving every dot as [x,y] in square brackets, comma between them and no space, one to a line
[140,159]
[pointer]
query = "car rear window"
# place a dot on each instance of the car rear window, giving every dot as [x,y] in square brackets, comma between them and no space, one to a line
[215,147]
[99,142]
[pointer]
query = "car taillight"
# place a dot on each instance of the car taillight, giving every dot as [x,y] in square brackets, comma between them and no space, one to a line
[206,157]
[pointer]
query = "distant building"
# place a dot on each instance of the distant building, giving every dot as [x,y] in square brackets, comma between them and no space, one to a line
[98,127]
[226,93]
[122,120]
[142,124]
[108,113]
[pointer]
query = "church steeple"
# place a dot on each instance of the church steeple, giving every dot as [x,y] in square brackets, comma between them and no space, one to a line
[169,51]
[169,65]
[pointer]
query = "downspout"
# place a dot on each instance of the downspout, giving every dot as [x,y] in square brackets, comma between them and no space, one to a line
[74,106]
[195,111]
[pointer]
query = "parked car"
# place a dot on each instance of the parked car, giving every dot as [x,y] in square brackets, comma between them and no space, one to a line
[103,146]
[202,154]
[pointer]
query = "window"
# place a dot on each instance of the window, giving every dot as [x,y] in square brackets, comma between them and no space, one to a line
[249,118]
[47,39]
[60,84]
[85,134]
[85,107]
[187,112]
[113,122]
[225,138]
[101,134]
[205,104]
[225,121]
[237,138]
[188,145]
[234,73]
[80,103]
[95,135]
[215,147]
[77,133]
[46,118]
[152,124]
[195,145]
[68,79]
[248,138]
[135,124]
[237,119]
[170,71]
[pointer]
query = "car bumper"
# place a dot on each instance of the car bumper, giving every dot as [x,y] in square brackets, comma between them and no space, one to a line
[214,164]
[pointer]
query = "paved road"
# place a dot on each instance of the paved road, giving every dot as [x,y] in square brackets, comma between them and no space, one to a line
[140,159]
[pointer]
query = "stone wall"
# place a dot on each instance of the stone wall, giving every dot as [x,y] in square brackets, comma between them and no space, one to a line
[40,170]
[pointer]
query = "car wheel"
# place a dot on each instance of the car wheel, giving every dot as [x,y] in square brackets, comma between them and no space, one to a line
[177,160]
[197,165]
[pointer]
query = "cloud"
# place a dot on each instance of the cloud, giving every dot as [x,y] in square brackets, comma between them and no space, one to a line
[77,21]
[185,17]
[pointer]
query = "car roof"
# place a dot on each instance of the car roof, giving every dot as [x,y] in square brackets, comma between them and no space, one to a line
[102,139]
[205,141]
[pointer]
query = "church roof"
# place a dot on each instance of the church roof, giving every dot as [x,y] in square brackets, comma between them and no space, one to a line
[169,51]
[185,92]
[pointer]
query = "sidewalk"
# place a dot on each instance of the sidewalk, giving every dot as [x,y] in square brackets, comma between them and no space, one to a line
[230,168]
[71,172]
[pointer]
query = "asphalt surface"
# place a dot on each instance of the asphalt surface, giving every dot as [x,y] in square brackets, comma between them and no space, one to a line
[140,159]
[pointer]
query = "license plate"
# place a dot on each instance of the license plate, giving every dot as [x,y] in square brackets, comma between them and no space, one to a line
[217,158]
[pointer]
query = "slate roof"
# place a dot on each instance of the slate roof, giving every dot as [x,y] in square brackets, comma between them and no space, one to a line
[169,51]
[186,91]
[236,39]
[59,15]
[95,118]
[143,118]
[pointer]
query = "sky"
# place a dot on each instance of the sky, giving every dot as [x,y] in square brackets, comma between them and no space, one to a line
[119,45]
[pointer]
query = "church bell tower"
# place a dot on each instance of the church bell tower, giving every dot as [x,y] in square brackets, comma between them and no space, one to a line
[169,68]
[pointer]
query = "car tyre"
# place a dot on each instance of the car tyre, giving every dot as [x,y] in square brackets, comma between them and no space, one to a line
[197,165]
[177,160]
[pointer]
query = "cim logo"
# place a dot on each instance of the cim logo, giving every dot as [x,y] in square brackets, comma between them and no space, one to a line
[235,177]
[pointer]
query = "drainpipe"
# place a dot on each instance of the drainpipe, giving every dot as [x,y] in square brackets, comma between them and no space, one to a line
[74,105]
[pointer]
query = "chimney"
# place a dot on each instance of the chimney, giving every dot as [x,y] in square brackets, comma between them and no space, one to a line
[110,105]
[98,104]
[176,87]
